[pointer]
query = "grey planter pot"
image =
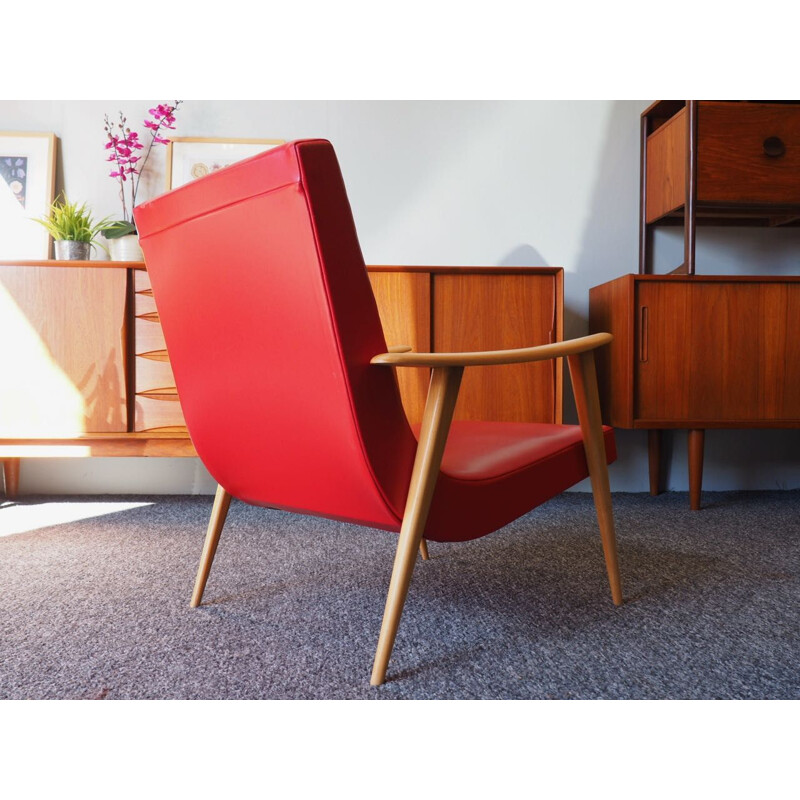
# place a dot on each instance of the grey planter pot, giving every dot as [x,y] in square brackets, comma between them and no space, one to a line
[72,251]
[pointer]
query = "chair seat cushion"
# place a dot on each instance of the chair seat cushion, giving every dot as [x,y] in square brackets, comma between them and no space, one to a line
[486,450]
[493,472]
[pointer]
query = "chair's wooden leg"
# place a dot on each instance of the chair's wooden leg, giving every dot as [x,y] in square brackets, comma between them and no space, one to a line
[222,502]
[11,477]
[423,550]
[587,401]
[442,396]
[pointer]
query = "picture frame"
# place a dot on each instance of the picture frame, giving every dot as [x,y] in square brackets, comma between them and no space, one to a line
[27,190]
[192,157]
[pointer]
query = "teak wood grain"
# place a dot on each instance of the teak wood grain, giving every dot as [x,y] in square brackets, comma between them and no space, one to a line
[165,442]
[610,310]
[699,352]
[732,166]
[64,363]
[499,312]
[721,352]
[666,175]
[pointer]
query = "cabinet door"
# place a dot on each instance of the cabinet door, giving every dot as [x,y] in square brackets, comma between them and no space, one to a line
[62,331]
[404,306]
[498,312]
[717,352]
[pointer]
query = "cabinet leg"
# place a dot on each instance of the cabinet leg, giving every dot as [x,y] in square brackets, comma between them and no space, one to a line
[654,460]
[696,444]
[11,475]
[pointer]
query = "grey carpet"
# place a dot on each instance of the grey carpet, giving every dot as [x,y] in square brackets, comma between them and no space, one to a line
[99,608]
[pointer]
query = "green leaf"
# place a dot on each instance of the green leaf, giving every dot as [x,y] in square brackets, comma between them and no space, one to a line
[117,229]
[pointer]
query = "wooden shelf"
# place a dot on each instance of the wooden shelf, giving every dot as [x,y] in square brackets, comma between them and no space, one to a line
[706,163]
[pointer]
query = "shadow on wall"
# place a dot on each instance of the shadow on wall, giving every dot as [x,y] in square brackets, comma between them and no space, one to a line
[523,256]
[609,248]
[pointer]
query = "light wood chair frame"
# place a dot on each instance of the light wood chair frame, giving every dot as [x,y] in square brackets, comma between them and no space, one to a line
[446,372]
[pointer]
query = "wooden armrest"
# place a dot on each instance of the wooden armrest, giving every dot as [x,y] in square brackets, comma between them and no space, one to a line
[400,348]
[493,357]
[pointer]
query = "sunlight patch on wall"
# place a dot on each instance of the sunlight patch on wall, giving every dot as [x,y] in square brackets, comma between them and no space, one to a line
[23,518]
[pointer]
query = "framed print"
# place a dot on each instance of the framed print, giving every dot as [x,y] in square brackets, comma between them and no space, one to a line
[27,189]
[189,158]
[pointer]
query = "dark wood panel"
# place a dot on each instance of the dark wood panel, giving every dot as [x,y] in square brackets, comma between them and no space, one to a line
[610,311]
[717,351]
[496,312]
[732,164]
[666,168]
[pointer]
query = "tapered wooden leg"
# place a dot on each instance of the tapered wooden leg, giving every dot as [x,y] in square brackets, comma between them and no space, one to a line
[654,459]
[11,476]
[697,440]
[587,401]
[423,550]
[442,396]
[222,502]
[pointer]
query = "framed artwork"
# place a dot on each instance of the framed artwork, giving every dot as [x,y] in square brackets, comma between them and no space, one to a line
[27,189]
[189,158]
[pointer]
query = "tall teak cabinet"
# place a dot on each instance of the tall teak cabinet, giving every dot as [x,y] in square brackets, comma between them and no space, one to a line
[691,351]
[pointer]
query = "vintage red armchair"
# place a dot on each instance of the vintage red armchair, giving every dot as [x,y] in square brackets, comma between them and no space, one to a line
[288,389]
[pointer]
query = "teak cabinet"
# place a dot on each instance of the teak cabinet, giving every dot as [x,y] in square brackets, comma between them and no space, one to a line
[457,309]
[698,352]
[88,372]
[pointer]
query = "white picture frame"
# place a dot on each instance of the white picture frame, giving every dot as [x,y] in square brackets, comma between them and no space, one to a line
[192,157]
[27,190]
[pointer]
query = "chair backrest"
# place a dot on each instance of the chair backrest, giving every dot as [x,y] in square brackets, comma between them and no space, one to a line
[270,323]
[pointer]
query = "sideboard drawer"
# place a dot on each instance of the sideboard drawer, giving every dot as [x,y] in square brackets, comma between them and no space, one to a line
[158,410]
[154,373]
[148,336]
[748,153]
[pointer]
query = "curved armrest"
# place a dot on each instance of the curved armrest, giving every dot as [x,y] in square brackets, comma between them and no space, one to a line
[493,357]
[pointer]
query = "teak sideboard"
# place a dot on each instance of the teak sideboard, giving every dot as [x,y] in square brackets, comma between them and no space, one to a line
[698,352]
[88,373]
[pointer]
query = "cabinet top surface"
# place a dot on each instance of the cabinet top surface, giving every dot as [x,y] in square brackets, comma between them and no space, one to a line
[456,269]
[704,279]
[666,108]
[371,267]
[74,264]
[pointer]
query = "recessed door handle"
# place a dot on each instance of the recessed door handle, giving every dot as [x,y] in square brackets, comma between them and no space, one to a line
[643,333]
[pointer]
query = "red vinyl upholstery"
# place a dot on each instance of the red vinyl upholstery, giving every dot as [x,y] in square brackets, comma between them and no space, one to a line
[270,323]
[280,363]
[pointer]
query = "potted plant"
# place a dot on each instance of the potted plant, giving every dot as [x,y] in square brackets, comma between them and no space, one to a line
[73,229]
[128,164]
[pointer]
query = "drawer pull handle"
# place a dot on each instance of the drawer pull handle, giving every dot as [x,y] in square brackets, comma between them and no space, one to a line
[774,147]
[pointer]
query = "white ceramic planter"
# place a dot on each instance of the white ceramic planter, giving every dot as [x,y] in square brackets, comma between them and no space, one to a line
[126,248]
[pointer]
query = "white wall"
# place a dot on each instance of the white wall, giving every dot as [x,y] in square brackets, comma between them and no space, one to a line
[485,183]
